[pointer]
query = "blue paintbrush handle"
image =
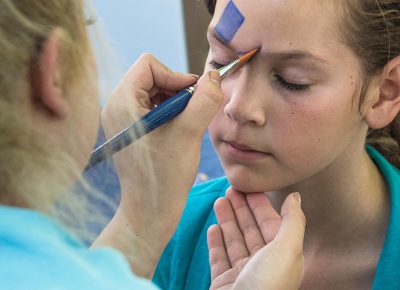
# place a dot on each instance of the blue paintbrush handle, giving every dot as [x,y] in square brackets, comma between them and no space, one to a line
[163,113]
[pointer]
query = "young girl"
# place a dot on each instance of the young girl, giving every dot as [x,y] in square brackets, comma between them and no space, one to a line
[49,113]
[316,111]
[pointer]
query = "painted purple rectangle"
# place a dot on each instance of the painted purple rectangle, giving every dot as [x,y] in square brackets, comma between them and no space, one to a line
[230,22]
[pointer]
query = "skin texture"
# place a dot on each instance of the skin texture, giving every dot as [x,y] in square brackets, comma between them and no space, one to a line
[150,207]
[257,105]
[145,222]
[244,247]
[276,138]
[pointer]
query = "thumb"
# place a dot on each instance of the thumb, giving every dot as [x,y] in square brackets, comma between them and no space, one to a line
[291,232]
[205,101]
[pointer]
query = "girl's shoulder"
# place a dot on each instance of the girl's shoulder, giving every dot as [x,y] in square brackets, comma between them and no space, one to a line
[388,170]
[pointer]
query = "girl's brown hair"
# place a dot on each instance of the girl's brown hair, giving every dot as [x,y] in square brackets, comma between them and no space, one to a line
[372,29]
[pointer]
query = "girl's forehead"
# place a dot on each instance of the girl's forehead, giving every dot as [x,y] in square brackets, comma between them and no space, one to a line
[229,23]
[301,22]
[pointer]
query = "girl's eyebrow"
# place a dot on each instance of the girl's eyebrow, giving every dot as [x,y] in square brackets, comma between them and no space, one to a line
[295,55]
[211,33]
[281,55]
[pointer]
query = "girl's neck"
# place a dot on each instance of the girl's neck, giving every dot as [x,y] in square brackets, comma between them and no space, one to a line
[345,204]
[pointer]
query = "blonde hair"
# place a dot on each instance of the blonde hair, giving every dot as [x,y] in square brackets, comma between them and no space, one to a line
[32,174]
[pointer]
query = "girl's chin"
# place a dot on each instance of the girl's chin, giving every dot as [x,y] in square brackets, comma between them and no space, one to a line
[253,184]
[247,187]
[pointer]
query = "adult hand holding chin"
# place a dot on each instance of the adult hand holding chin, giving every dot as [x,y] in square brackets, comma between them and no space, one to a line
[157,171]
[253,247]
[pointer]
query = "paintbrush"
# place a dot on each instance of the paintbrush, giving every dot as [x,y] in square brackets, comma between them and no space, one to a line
[161,114]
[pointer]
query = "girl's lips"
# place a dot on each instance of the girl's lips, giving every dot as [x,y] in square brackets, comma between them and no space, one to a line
[241,147]
[242,152]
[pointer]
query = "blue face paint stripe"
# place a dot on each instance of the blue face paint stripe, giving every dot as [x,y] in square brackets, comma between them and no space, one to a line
[230,22]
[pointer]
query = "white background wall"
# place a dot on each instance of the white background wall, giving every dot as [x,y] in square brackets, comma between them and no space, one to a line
[133,27]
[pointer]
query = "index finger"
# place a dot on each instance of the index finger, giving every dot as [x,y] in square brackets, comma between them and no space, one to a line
[267,218]
[148,73]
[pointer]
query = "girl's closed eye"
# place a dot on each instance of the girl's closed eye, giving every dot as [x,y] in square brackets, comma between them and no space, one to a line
[277,78]
[216,65]
[289,86]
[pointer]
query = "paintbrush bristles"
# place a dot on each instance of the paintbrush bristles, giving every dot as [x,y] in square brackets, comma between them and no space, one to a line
[245,58]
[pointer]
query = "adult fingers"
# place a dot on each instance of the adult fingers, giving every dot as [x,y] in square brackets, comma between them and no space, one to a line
[291,232]
[148,78]
[204,104]
[267,218]
[235,244]
[219,261]
[247,223]
[148,72]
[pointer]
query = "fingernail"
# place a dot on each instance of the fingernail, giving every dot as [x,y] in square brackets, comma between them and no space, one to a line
[297,197]
[195,76]
[215,77]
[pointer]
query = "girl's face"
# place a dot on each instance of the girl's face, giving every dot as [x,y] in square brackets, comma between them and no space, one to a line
[290,113]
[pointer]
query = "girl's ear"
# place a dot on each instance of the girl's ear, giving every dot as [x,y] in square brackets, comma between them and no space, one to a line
[47,78]
[382,111]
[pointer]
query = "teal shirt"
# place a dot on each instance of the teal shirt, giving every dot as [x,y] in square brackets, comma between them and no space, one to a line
[37,254]
[184,263]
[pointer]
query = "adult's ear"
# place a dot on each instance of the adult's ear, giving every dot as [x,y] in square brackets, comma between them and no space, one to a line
[47,79]
[385,107]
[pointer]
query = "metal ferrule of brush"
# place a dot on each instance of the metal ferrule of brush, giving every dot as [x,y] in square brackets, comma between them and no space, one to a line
[228,69]
[191,89]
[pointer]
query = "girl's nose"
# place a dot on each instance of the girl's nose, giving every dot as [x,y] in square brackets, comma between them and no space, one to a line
[244,105]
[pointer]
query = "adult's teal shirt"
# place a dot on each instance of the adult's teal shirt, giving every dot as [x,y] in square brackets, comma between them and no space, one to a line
[184,263]
[37,254]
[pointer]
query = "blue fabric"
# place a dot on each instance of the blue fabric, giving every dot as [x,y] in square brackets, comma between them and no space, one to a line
[37,254]
[184,263]
[387,275]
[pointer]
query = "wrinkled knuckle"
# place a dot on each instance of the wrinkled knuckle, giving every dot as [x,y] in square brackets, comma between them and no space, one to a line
[270,222]
[254,249]
[216,260]
[232,243]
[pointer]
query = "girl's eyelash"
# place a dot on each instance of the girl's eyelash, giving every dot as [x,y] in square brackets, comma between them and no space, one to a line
[281,81]
[289,86]
[216,65]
